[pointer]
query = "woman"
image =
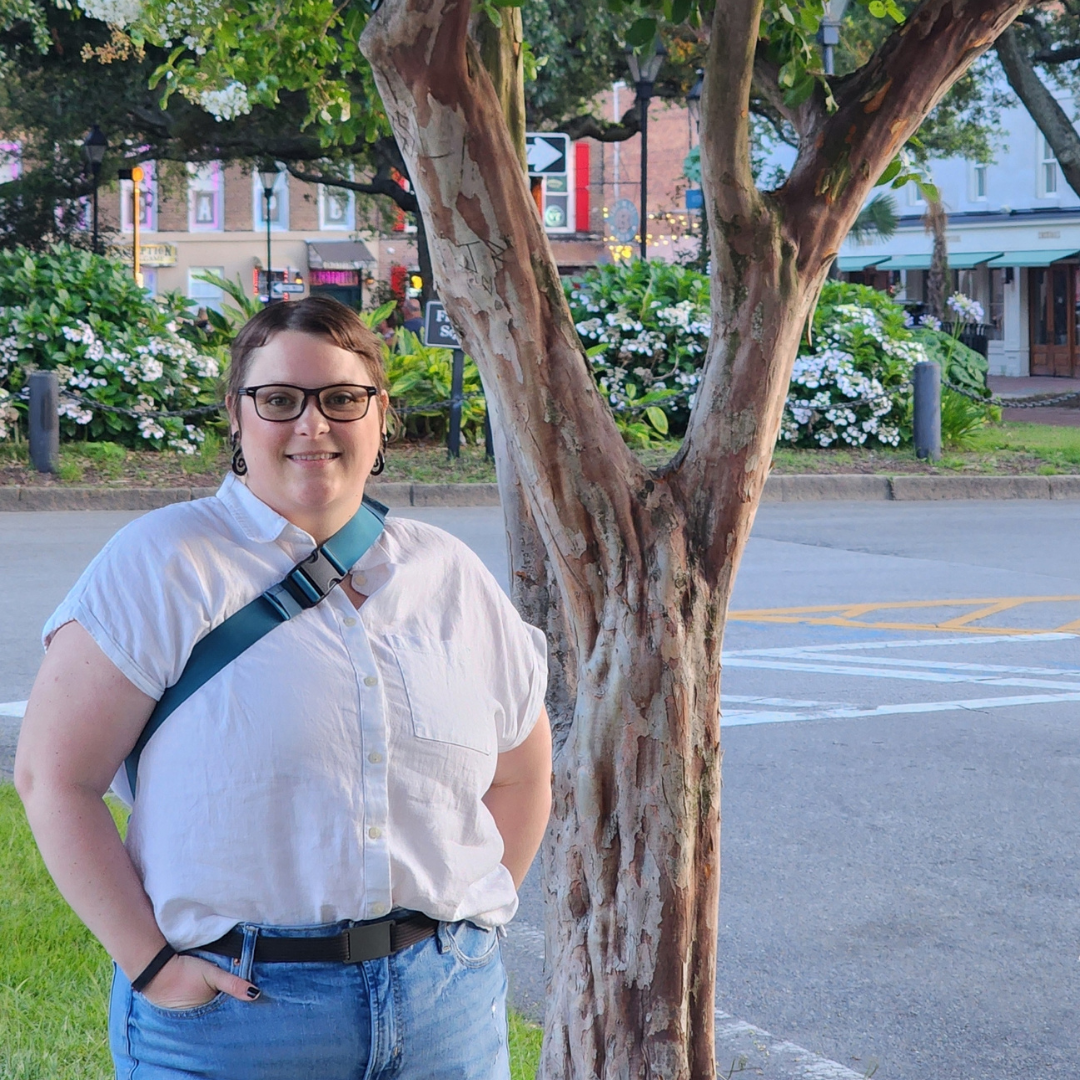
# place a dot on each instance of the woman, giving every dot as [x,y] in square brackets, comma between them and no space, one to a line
[382,758]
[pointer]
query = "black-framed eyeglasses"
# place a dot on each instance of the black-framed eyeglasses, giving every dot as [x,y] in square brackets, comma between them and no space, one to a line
[282,402]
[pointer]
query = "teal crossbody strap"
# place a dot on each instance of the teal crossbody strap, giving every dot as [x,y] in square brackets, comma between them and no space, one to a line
[306,585]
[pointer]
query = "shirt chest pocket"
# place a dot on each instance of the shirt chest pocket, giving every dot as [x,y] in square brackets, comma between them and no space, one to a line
[446,695]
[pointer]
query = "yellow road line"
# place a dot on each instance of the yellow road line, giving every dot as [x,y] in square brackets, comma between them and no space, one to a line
[853,615]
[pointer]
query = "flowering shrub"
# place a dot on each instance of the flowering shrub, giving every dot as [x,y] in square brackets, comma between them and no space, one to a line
[84,317]
[645,326]
[851,385]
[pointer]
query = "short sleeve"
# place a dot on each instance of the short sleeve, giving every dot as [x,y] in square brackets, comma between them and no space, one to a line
[142,601]
[517,668]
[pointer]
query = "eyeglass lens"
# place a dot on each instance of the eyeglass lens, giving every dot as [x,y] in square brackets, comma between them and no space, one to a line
[335,402]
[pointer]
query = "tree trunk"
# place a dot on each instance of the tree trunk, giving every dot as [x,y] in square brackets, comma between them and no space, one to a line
[638,566]
[937,281]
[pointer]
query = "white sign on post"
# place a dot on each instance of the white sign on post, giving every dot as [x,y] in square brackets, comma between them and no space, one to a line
[547,153]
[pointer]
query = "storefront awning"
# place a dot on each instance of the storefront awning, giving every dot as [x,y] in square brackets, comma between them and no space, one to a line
[338,255]
[852,264]
[906,262]
[966,260]
[958,260]
[1040,257]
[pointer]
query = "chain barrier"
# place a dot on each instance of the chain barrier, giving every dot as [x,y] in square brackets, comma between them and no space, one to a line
[66,397]
[1011,403]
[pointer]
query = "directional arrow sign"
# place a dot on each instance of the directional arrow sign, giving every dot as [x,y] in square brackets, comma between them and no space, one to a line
[546,154]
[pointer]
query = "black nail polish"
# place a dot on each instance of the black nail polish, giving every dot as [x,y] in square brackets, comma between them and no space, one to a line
[253,992]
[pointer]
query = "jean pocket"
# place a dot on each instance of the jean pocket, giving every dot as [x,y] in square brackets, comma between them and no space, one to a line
[471,945]
[193,1011]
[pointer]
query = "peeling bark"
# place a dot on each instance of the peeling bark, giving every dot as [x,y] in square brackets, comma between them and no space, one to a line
[630,571]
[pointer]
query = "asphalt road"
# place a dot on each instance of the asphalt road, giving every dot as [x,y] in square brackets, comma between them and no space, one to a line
[901,796]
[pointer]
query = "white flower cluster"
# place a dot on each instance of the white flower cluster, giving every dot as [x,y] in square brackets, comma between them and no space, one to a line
[189,443]
[226,104]
[8,414]
[930,321]
[74,411]
[966,309]
[116,12]
[149,428]
[846,405]
[83,334]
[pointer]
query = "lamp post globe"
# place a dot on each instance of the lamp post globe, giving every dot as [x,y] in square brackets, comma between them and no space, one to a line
[643,70]
[94,146]
[268,177]
[829,32]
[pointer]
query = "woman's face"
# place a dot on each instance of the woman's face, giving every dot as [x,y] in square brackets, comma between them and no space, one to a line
[310,470]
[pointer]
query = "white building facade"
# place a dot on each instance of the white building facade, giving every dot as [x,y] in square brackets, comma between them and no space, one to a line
[1013,245]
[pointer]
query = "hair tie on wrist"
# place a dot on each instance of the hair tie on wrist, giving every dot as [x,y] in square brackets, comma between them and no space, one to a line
[143,980]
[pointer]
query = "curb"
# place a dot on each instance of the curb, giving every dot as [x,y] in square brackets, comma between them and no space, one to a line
[101,498]
[805,487]
[741,1047]
[865,488]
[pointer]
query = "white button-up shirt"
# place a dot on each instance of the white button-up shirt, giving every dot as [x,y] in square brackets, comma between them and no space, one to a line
[335,769]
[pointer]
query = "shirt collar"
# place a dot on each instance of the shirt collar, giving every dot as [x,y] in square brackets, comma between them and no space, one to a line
[258,521]
[263,525]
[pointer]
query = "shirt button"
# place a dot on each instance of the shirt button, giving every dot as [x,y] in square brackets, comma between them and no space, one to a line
[378,909]
[374,757]
[349,621]
[374,832]
[371,680]
[359,579]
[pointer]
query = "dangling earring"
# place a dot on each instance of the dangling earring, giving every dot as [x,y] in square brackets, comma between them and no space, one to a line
[380,458]
[239,465]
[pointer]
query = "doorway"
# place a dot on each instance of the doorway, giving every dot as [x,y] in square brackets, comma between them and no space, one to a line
[1054,333]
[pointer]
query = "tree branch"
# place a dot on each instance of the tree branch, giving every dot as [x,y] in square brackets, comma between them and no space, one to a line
[879,107]
[495,271]
[725,108]
[590,127]
[1062,55]
[1044,108]
[380,184]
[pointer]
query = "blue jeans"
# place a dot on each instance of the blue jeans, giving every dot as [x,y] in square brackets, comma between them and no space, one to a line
[434,1011]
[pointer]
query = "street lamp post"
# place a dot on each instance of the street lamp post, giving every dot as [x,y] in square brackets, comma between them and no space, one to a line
[830,31]
[693,104]
[644,71]
[268,177]
[94,147]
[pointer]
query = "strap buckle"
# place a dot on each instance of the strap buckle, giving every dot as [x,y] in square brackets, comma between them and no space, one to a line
[313,579]
[369,942]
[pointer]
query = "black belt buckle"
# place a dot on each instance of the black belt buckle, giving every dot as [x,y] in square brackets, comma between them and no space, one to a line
[370,942]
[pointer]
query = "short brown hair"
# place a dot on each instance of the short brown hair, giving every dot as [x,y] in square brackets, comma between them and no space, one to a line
[318,315]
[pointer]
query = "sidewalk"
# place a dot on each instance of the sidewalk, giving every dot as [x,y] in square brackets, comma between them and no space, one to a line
[1067,414]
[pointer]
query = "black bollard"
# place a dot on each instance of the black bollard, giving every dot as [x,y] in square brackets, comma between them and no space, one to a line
[457,375]
[44,421]
[927,379]
[489,439]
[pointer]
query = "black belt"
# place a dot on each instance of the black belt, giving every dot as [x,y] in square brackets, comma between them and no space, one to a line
[368,941]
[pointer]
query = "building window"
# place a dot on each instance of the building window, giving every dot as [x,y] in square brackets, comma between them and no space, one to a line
[279,203]
[1048,171]
[978,183]
[202,292]
[336,208]
[915,195]
[147,201]
[205,198]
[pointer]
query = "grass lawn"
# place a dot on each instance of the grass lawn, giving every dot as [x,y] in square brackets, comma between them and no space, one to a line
[996,449]
[54,977]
